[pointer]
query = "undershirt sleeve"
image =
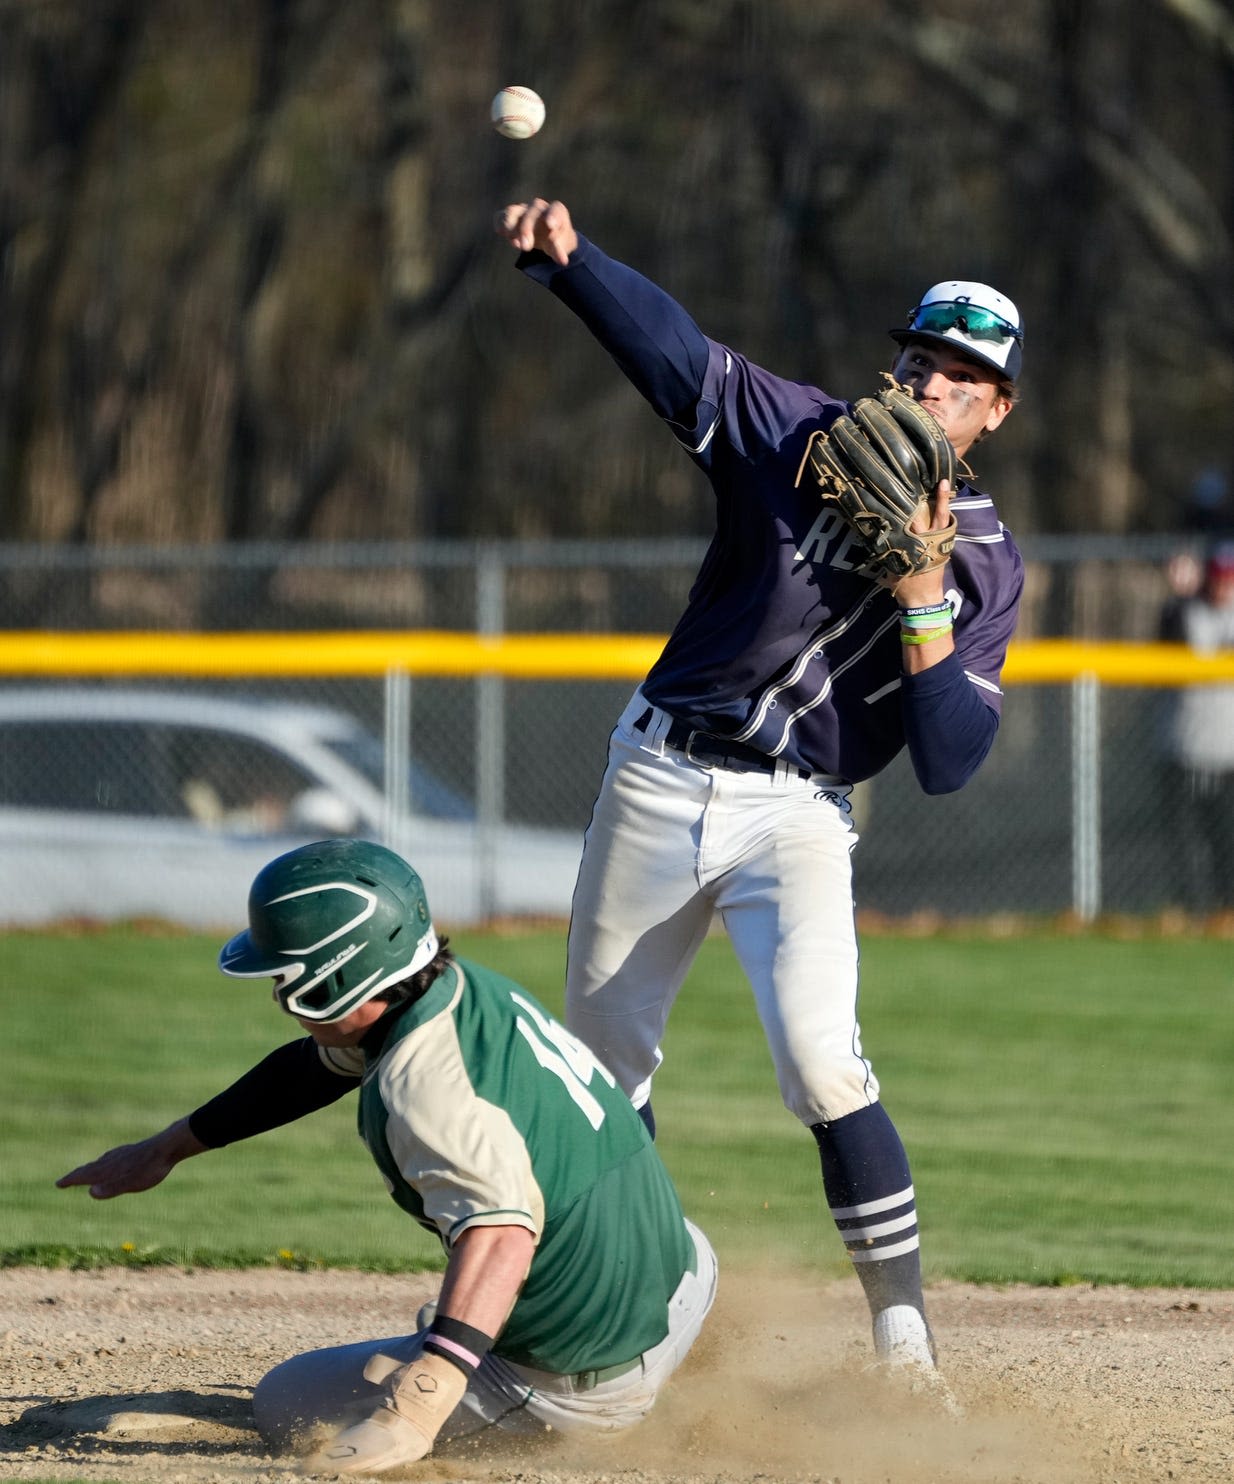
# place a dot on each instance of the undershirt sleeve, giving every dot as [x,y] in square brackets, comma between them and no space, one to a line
[650,336]
[949,728]
[693,383]
[288,1084]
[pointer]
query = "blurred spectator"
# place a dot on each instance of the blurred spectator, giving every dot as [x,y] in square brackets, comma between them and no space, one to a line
[1184,574]
[1208,507]
[1200,731]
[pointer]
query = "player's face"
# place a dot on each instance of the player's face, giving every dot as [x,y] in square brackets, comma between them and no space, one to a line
[961,393]
[351,1029]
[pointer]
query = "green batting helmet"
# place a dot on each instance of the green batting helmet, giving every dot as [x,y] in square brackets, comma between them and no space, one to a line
[334,924]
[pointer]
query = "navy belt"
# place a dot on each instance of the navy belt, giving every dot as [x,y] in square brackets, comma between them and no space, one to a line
[716,752]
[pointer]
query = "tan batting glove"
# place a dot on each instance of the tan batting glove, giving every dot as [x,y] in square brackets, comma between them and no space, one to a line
[423,1392]
[419,1397]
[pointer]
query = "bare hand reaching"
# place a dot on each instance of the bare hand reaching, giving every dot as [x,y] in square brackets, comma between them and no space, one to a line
[132,1167]
[538,223]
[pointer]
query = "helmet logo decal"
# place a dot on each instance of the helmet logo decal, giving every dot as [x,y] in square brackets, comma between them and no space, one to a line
[339,960]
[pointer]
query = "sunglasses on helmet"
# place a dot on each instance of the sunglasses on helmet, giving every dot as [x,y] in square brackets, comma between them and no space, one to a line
[969,319]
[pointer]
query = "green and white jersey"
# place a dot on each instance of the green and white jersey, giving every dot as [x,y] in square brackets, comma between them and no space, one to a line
[481,1109]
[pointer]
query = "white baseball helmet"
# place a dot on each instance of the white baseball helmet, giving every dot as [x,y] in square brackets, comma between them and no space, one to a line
[973,317]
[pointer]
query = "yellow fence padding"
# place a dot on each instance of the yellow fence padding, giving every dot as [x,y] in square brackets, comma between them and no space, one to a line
[516,656]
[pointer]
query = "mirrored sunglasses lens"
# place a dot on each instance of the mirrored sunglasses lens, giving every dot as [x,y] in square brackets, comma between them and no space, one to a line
[978,324]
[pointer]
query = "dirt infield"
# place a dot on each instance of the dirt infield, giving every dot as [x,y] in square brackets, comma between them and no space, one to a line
[136,1376]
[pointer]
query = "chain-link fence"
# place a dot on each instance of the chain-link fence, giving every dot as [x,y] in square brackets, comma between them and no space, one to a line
[163,797]
[1076,587]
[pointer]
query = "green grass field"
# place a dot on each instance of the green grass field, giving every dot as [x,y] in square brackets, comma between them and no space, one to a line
[1064,1100]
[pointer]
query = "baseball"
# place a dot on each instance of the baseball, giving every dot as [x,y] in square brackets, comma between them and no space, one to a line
[517,113]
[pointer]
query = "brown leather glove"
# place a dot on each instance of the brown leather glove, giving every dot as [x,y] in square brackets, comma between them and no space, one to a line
[882,467]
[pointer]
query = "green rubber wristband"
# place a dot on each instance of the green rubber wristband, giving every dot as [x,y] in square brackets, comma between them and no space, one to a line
[927,637]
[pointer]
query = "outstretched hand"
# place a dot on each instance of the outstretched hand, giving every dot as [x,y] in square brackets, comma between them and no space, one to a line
[132,1167]
[538,223]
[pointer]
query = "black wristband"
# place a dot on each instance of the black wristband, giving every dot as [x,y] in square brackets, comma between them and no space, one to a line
[461,1344]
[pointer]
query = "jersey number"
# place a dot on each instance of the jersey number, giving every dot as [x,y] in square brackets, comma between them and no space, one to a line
[565,1058]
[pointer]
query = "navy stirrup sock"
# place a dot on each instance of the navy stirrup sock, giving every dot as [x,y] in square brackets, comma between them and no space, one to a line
[870,1193]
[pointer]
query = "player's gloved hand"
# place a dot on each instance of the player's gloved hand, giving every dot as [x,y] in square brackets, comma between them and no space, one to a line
[132,1167]
[928,586]
[419,1396]
[890,468]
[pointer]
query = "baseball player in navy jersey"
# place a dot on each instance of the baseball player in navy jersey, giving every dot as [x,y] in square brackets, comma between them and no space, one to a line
[788,679]
[574,1286]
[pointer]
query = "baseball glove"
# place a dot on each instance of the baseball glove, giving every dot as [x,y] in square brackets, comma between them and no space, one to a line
[882,466]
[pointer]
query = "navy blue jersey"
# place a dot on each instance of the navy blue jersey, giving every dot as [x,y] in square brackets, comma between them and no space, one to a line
[782,645]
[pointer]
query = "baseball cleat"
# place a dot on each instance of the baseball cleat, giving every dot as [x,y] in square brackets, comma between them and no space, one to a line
[902,1338]
[380,1442]
[905,1350]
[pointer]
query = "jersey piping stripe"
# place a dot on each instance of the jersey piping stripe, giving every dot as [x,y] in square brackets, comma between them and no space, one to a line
[894,685]
[872,1208]
[886,690]
[818,640]
[507,1216]
[835,674]
[707,436]
[719,417]
[996,540]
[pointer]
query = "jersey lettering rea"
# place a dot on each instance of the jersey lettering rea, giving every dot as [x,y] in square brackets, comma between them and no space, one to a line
[782,646]
[480,1109]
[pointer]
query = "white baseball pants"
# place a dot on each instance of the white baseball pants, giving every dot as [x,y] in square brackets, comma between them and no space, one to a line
[671,843]
[319,1393]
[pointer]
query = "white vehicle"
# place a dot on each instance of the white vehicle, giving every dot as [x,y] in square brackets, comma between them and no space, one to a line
[131,803]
